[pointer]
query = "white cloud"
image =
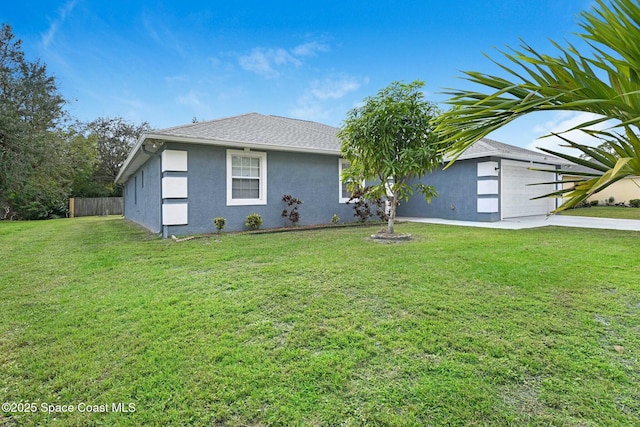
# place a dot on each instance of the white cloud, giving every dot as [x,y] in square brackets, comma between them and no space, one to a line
[63,12]
[266,61]
[190,99]
[318,101]
[310,111]
[561,122]
[309,49]
[334,88]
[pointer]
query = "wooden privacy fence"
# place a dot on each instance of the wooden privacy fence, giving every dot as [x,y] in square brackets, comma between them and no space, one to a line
[95,206]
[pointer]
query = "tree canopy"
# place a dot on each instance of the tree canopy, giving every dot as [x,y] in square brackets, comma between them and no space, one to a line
[115,137]
[605,82]
[389,141]
[45,157]
[32,180]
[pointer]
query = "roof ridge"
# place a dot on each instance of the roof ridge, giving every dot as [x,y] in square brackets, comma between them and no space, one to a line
[308,125]
[189,125]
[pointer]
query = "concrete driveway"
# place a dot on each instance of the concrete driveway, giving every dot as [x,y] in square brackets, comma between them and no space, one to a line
[539,221]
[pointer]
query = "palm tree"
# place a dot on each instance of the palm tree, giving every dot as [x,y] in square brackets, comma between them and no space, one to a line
[606,83]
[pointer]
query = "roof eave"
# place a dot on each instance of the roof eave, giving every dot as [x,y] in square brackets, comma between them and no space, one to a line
[510,156]
[137,151]
[121,177]
[241,144]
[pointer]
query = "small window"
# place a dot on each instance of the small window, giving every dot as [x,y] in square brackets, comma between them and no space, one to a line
[246,178]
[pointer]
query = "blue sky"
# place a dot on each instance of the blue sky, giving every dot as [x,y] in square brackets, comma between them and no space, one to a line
[166,62]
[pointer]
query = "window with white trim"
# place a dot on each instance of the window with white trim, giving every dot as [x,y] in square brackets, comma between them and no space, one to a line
[246,178]
[344,193]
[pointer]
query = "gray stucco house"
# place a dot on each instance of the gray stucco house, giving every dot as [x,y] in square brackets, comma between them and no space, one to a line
[177,180]
[490,181]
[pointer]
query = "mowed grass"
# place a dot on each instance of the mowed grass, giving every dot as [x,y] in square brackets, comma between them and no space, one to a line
[462,326]
[615,212]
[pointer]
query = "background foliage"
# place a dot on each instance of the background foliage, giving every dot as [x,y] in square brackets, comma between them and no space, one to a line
[45,156]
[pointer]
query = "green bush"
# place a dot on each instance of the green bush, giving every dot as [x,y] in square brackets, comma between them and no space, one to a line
[335,219]
[219,222]
[635,203]
[38,203]
[594,203]
[253,221]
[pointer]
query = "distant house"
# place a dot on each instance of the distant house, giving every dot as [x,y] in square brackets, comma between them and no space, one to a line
[621,191]
[177,180]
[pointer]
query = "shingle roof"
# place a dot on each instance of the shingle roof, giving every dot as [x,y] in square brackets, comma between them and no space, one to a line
[258,129]
[255,130]
[490,148]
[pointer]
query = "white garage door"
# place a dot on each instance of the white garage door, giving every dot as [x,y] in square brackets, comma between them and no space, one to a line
[516,194]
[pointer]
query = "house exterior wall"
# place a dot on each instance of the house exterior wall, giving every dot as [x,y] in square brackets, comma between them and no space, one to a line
[622,191]
[458,190]
[141,194]
[313,178]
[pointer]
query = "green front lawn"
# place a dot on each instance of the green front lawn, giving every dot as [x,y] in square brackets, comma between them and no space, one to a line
[616,212]
[463,326]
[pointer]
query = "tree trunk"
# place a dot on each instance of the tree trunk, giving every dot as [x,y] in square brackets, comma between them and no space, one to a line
[392,214]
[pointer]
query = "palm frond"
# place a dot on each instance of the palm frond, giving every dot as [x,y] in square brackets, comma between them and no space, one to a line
[605,83]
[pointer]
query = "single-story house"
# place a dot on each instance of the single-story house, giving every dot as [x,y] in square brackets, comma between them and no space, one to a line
[621,191]
[490,181]
[177,180]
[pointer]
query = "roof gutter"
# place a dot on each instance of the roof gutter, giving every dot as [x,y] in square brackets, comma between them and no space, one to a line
[239,144]
[508,156]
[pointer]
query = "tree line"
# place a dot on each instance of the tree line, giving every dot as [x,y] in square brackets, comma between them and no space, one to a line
[47,156]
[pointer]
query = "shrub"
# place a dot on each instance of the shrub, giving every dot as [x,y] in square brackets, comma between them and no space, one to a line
[594,203]
[611,200]
[220,222]
[38,203]
[253,221]
[635,203]
[292,215]
[335,219]
[362,206]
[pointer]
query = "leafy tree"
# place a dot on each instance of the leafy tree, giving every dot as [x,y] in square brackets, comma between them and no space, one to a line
[605,146]
[83,155]
[33,171]
[605,83]
[389,140]
[115,138]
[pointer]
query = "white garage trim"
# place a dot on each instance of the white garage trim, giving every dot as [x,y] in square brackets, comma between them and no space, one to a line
[516,193]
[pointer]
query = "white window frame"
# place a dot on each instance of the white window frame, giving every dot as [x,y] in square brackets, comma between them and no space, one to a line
[341,167]
[341,163]
[262,156]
